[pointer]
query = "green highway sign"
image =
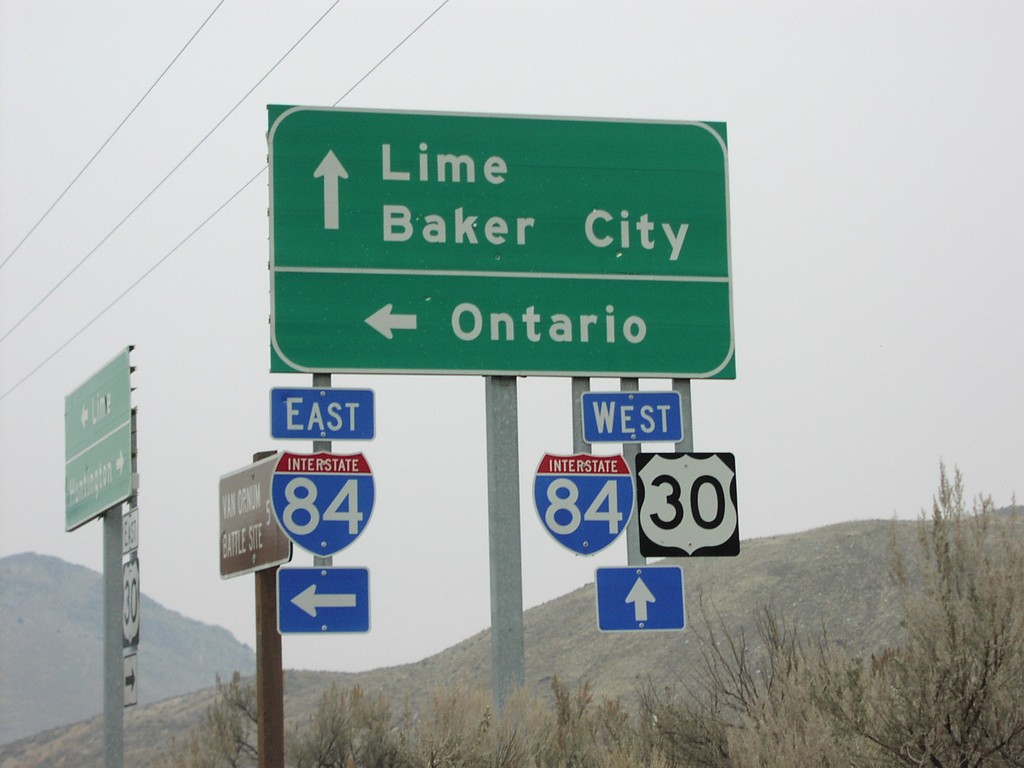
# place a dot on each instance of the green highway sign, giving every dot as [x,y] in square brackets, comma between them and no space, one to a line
[98,443]
[408,242]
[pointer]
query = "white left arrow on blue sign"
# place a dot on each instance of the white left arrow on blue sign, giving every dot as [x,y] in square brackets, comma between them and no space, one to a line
[319,600]
[308,600]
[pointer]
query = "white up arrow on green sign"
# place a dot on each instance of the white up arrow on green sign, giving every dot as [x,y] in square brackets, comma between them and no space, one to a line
[439,243]
[98,443]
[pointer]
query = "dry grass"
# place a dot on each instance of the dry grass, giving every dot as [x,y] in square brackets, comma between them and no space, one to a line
[835,578]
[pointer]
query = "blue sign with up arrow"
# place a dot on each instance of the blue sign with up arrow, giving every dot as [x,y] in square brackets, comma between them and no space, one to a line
[318,600]
[640,598]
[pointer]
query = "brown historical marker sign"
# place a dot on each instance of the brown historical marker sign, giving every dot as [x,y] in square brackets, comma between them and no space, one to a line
[250,538]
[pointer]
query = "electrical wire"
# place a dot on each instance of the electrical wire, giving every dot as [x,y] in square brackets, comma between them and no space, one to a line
[111,136]
[131,287]
[220,208]
[388,54]
[162,181]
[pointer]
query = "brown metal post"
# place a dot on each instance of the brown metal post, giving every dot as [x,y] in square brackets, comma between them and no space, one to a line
[269,669]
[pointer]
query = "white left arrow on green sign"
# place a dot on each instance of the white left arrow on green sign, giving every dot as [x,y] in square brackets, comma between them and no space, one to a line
[385,320]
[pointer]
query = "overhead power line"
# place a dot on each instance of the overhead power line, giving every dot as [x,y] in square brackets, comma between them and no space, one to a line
[131,287]
[387,55]
[162,181]
[217,211]
[111,136]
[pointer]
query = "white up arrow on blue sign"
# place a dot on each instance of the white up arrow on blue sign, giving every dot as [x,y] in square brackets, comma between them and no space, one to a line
[646,598]
[318,413]
[632,417]
[323,600]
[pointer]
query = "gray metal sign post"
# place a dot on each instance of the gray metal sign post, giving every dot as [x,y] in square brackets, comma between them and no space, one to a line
[322,380]
[579,385]
[116,609]
[629,452]
[113,652]
[682,386]
[508,665]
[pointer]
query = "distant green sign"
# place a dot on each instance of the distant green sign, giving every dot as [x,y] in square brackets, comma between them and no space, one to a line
[439,243]
[98,443]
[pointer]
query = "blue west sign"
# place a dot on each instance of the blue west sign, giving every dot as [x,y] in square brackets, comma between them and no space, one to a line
[632,417]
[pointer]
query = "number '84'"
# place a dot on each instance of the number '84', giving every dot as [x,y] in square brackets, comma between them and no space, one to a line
[301,515]
[582,512]
[563,514]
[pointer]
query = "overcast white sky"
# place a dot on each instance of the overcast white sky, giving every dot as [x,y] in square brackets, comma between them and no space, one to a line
[876,195]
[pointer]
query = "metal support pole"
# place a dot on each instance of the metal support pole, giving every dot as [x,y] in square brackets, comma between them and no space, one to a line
[682,386]
[322,380]
[113,613]
[508,666]
[269,666]
[629,452]
[580,385]
[113,642]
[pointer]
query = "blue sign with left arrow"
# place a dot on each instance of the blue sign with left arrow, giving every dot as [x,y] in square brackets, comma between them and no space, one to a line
[644,598]
[318,600]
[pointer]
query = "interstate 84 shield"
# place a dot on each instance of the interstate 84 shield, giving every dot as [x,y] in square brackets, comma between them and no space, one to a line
[584,501]
[322,501]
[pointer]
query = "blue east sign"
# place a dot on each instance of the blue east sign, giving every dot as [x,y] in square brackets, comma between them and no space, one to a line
[632,417]
[320,413]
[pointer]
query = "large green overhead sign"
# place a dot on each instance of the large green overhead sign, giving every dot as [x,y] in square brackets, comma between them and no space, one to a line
[98,443]
[439,243]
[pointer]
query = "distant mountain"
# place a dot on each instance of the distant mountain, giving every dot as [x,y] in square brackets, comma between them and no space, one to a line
[835,578]
[51,637]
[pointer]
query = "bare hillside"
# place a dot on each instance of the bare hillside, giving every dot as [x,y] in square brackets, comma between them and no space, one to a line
[834,578]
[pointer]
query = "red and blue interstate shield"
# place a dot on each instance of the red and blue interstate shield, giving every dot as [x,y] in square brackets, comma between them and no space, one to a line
[584,501]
